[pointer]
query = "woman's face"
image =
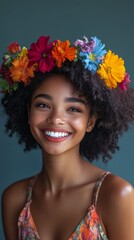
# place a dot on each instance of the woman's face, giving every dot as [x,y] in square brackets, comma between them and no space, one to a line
[58,117]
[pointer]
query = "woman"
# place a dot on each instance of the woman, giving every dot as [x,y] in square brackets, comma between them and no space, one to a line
[73,102]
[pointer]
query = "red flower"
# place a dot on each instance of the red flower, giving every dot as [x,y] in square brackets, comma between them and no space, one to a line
[41,53]
[6,74]
[125,83]
[14,48]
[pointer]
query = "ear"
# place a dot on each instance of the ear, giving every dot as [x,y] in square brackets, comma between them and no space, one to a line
[91,123]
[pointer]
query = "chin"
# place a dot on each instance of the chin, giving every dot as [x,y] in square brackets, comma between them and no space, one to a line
[52,151]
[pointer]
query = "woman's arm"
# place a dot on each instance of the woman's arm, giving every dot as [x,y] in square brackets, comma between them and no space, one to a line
[117,208]
[13,201]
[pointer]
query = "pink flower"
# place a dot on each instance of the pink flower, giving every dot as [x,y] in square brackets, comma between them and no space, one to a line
[41,54]
[124,84]
[14,48]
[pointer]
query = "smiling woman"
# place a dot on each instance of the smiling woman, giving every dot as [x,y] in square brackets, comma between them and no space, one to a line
[57,111]
[73,102]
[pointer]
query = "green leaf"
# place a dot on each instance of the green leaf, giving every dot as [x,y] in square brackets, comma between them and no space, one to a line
[6,56]
[15,86]
[3,83]
[8,62]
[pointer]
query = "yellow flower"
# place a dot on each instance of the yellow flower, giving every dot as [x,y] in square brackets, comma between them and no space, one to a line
[112,70]
[20,71]
[24,52]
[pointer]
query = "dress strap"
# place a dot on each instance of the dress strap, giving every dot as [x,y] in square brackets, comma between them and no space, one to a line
[98,186]
[30,188]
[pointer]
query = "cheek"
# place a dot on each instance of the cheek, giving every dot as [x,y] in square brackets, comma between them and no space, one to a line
[34,122]
[36,117]
[80,123]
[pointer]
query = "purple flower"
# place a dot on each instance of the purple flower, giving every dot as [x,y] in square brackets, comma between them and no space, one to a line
[85,45]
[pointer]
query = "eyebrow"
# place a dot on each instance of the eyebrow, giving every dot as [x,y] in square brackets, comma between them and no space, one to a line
[73,99]
[43,95]
[68,99]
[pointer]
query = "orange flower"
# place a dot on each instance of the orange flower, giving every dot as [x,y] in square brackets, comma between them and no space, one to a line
[63,51]
[20,71]
[112,70]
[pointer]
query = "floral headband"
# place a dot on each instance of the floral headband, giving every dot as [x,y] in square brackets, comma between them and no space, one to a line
[20,64]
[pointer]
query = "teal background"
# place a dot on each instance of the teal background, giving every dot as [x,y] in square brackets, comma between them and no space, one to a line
[24,21]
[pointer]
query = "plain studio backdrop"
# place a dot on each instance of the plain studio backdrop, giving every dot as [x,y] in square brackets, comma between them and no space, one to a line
[24,21]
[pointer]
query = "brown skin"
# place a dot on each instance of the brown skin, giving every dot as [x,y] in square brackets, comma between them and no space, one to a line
[64,189]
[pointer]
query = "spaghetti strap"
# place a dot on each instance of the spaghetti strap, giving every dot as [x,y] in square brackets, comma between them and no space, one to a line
[98,186]
[30,188]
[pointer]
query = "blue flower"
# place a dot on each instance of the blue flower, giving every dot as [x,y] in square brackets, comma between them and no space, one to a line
[93,58]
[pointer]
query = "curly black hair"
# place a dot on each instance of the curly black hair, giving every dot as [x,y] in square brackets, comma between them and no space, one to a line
[114,110]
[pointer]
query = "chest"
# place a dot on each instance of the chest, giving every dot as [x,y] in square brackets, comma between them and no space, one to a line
[56,218]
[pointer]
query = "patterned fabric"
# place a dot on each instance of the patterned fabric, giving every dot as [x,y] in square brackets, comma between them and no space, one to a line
[88,229]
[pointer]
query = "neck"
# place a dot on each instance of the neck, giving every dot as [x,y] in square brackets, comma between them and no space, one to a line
[61,171]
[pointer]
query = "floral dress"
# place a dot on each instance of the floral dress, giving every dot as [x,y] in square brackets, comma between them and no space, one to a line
[88,229]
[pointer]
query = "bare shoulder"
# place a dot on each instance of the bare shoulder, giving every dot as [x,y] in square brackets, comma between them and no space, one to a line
[13,200]
[16,192]
[116,189]
[116,206]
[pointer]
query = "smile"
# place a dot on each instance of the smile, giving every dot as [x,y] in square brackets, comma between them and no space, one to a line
[56,134]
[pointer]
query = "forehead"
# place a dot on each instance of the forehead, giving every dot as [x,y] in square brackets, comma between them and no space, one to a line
[57,85]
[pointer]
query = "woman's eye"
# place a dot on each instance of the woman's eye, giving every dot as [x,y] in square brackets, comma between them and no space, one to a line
[74,109]
[42,105]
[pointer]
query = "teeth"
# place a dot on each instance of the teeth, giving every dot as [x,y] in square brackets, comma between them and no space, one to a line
[56,134]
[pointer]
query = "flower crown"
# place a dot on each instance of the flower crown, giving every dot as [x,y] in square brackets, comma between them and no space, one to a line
[20,64]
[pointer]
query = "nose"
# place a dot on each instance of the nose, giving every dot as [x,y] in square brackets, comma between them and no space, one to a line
[56,117]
